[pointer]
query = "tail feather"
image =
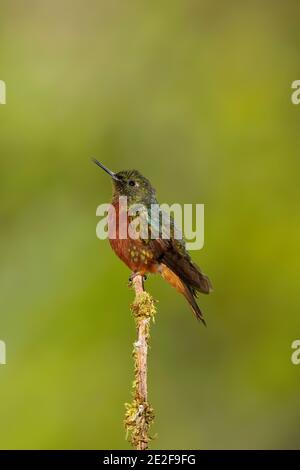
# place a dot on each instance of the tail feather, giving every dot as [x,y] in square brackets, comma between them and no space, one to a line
[189,292]
[190,297]
[188,271]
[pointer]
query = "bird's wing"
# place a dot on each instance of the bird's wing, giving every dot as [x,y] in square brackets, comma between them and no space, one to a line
[168,247]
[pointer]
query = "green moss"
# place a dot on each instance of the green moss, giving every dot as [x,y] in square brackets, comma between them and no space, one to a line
[143,306]
[139,414]
[138,419]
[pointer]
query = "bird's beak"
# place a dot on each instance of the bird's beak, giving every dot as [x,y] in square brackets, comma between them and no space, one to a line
[113,175]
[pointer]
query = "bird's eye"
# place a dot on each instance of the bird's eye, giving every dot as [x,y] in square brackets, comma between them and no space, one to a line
[131,183]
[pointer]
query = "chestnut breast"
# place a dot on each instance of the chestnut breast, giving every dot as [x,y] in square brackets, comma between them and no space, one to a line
[133,252]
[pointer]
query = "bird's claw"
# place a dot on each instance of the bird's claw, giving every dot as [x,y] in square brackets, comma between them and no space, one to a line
[131,278]
[133,275]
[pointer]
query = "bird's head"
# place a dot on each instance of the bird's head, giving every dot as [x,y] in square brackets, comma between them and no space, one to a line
[132,184]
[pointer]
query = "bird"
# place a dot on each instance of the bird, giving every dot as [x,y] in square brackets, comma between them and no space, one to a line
[166,256]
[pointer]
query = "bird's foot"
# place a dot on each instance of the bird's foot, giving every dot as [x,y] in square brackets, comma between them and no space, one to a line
[133,275]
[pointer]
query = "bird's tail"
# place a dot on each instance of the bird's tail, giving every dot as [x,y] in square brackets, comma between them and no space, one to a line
[190,295]
[188,292]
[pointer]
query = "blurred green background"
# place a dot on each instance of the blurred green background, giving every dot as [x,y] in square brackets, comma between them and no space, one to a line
[195,95]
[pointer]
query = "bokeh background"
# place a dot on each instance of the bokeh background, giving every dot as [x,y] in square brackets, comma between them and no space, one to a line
[195,94]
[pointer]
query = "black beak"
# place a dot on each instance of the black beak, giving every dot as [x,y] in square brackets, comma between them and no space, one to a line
[113,175]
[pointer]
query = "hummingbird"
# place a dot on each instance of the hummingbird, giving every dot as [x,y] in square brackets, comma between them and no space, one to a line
[165,256]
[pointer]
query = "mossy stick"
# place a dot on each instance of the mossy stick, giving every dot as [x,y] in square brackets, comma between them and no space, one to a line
[139,414]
